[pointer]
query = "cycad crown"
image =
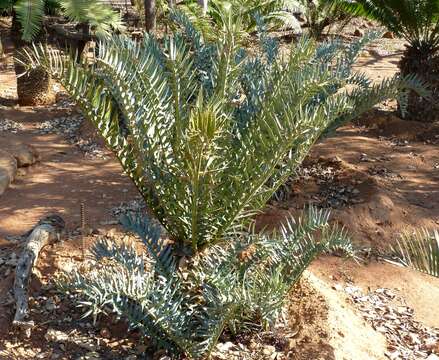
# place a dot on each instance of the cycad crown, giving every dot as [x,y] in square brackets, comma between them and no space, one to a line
[208,132]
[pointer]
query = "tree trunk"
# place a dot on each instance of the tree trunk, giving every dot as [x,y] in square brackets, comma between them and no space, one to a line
[35,87]
[425,64]
[203,4]
[150,15]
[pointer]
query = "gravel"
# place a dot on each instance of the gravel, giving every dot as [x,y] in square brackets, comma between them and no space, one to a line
[131,207]
[69,127]
[7,125]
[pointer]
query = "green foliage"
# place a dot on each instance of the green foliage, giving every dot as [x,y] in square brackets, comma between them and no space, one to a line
[185,308]
[208,132]
[30,14]
[101,18]
[420,250]
[320,14]
[417,21]
[275,13]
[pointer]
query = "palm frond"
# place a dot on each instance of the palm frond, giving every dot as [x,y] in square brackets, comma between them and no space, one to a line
[30,15]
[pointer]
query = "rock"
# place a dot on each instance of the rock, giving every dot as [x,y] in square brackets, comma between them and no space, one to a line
[224,347]
[105,333]
[92,355]
[56,335]
[388,35]
[358,33]
[50,305]
[8,170]
[26,155]
[433,357]
[268,350]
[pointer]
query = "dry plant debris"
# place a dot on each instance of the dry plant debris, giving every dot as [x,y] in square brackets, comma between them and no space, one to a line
[388,314]
[69,127]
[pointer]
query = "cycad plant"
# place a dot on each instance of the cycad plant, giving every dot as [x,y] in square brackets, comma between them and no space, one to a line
[420,250]
[208,133]
[321,14]
[35,88]
[185,306]
[277,14]
[416,21]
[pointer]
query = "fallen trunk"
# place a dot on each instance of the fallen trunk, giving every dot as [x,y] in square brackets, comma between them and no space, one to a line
[47,231]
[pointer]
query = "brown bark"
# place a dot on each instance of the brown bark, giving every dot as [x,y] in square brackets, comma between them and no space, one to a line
[150,15]
[46,232]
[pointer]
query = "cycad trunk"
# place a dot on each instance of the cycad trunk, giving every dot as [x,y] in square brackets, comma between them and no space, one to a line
[35,87]
[423,62]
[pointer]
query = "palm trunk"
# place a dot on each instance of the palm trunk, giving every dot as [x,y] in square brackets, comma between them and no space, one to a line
[150,15]
[424,63]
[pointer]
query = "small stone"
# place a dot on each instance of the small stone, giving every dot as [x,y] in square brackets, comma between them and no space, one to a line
[388,35]
[56,335]
[50,305]
[223,347]
[358,33]
[355,191]
[92,355]
[105,333]
[268,350]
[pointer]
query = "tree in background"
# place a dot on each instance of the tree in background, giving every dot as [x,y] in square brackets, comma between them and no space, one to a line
[150,15]
[35,88]
[416,21]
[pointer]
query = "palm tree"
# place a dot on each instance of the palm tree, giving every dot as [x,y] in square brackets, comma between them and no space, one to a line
[416,21]
[34,88]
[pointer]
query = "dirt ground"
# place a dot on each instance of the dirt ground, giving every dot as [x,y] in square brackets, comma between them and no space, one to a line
[379,176]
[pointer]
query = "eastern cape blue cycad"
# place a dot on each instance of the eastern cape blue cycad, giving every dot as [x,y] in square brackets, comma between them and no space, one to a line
[208,132]
[185,308]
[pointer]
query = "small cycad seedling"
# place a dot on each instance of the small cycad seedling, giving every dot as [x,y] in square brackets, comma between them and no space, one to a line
[419,250]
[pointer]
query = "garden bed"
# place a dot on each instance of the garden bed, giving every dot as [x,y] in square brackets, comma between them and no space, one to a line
[376,178]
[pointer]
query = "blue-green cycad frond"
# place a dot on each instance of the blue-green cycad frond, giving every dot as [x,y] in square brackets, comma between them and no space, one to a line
[208,143]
